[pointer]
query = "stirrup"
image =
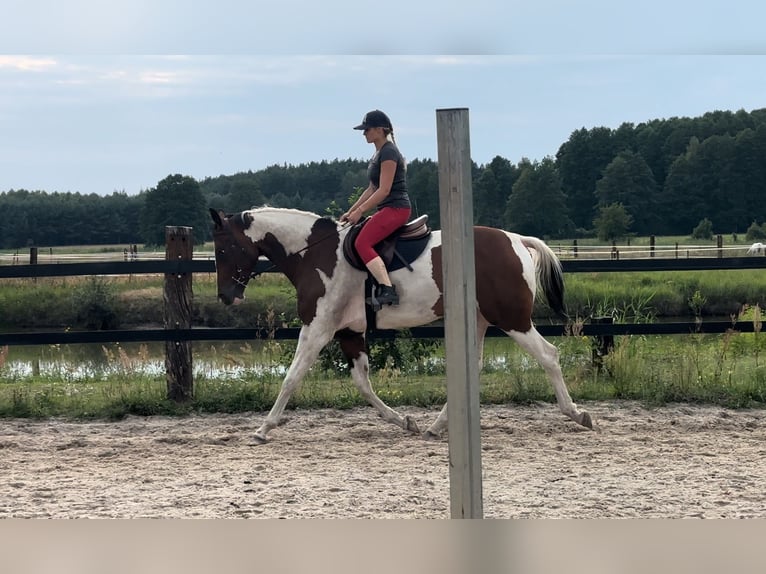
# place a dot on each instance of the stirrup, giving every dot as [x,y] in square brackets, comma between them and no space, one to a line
[385,296]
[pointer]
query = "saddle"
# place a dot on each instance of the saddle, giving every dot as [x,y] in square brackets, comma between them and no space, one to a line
[397,250]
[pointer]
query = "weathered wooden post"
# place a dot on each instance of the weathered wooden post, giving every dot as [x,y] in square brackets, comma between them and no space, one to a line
[719,243]
[459,275]
[601,344]
[33,255]
[178,298]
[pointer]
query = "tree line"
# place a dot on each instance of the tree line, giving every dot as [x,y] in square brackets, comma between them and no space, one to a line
[663,177]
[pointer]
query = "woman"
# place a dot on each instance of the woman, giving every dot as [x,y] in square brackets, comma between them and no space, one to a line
[387,193]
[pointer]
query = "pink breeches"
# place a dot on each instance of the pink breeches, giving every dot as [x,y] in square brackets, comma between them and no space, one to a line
[381,224]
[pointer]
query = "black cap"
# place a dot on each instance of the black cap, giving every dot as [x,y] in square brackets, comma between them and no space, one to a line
[374,119]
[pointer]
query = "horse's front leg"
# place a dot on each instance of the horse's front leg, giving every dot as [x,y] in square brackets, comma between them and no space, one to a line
[353,346]
[311,340]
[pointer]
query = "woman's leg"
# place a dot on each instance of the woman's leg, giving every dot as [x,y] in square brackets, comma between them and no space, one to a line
[382,224]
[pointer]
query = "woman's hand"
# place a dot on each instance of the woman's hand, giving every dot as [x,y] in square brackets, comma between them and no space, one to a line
[352,216]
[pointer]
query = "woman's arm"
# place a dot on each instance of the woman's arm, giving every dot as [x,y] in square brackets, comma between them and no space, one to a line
[355,208]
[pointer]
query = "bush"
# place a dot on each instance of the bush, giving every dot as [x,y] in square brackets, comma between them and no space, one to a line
[756,231]
[95,304]
[704,230]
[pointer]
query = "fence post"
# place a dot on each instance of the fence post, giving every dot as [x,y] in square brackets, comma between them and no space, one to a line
[602,344]
[574,248]
[651,245]
[719,241]
[460,337]
[178,298]
[33,255]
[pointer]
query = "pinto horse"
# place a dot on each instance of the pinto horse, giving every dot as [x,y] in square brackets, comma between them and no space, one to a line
[308,249]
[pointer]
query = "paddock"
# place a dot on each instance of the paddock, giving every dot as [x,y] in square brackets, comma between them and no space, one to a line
[678,461]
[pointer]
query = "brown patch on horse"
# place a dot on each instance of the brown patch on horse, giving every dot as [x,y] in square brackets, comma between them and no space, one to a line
[352,344]
[303,268]
[504,297]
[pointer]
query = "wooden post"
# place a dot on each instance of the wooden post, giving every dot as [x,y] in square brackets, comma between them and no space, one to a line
[574,248]
[719,242]
[178,312]
[459,274]
[33,259]
[652,241]
[601,344]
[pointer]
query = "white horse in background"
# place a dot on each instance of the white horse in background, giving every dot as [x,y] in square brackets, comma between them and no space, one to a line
[756,248]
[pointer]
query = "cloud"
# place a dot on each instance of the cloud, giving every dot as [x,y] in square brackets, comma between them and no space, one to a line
[27,63]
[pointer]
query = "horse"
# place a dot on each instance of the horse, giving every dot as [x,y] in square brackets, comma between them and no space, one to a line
[756,247]
[309,250]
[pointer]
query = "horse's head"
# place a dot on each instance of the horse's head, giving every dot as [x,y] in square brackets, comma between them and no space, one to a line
[235,255]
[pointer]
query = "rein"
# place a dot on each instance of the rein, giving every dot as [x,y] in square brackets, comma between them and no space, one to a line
[253,274]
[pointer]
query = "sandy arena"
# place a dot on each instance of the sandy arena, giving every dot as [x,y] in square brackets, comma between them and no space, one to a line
[672,462]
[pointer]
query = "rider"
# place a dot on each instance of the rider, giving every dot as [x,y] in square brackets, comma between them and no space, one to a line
[387,193]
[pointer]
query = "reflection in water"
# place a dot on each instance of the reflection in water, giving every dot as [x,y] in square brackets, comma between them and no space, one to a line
[218,360]
[98,362]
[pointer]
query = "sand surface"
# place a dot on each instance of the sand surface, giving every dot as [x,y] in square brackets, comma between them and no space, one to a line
[671,462]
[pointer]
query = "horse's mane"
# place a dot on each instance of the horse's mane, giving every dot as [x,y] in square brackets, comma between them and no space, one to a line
[267,209]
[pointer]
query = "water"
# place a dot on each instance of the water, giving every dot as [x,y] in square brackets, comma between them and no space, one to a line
[230,359]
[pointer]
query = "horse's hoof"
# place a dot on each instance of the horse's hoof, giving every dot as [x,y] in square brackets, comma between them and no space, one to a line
[411,425]
[428,435]
[586,421]
[258,440]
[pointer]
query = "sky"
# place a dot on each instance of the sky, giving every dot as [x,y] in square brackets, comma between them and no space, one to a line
[96,101]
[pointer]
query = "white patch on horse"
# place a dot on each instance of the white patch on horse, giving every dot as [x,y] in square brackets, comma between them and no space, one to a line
[293,238]
[418,293]
[337,300]
[527,260]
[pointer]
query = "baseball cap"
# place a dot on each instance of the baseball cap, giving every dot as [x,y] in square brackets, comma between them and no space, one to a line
[374,119]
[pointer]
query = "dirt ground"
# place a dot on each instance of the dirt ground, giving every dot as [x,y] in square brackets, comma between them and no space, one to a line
[671,462]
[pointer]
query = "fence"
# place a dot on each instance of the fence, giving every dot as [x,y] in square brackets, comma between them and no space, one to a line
[178,266]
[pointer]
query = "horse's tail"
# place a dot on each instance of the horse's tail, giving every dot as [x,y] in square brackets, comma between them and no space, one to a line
[550,276]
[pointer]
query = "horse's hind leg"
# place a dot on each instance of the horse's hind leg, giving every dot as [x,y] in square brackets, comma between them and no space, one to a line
[353,347]
[438,426]
[548,356]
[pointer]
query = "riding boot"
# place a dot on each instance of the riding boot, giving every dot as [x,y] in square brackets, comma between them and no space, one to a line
[387,295]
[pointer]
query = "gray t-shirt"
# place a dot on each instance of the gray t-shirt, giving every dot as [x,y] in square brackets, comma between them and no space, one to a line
[398,196]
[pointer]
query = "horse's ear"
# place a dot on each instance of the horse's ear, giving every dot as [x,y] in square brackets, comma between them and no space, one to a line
[217,217]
